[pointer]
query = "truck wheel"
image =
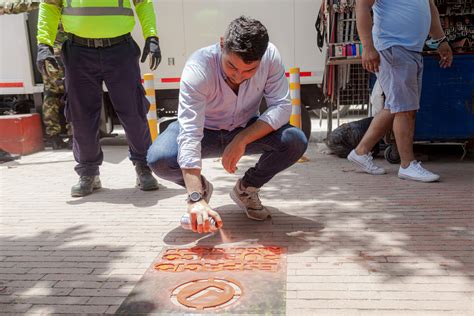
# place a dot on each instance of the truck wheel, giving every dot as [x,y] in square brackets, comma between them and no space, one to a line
[305,118]
[106,125]
[23,106]
[391,154]
[305,122]
[162,126]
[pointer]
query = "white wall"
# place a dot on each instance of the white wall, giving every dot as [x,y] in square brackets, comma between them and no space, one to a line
[15,62]
[187,25]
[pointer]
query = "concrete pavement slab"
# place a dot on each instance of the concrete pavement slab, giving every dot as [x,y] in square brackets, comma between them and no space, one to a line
[356,244]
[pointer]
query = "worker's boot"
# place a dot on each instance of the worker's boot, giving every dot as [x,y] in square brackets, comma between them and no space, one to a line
[6,156]
[145,180]
[85,186]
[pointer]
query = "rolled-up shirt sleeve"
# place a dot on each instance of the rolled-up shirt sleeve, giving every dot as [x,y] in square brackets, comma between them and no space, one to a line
[276,93]
[191,116]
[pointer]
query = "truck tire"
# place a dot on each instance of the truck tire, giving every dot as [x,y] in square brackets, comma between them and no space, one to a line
[23,106]
[391,154]
[305,122]
[106,125]
[305,118]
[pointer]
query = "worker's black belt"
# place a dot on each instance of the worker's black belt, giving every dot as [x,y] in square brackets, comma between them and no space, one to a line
[99,42]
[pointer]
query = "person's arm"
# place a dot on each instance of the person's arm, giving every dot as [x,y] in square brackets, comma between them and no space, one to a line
[48,21]
[277,96]
[436,32]
[146,16]
[191,116]
[370,56]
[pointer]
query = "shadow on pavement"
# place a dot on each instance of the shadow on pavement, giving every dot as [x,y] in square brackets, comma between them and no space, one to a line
[279,230]
[64,267]
[390,227]
[132,196]
[16,164]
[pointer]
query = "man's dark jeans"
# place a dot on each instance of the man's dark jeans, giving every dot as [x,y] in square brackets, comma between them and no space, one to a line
[281,149]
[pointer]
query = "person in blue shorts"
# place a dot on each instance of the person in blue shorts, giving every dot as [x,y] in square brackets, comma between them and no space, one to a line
[392,44]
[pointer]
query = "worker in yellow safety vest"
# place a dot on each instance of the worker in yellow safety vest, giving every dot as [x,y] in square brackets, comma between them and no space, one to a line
[100,49]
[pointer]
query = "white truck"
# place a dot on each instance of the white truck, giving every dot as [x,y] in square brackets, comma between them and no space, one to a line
[184,26]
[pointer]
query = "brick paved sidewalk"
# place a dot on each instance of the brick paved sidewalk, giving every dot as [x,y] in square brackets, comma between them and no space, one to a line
[358,244]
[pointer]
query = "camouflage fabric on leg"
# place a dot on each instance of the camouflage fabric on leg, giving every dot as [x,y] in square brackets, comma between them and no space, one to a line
[18,6]
[51,117]
[53,103]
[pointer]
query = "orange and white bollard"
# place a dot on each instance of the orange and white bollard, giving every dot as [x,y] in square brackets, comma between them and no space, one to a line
[295,95]
[149,84]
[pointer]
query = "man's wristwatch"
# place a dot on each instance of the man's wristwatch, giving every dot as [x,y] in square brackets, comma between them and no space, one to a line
[443,40]
[194,197]
[434,44]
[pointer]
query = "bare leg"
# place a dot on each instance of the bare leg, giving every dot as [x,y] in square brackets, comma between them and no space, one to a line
[404,130]
[380,125]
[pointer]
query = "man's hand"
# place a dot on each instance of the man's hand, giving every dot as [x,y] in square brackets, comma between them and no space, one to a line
[370,59]
[446,54]
[200,213]
[232,154]
[45,60]
[152,48]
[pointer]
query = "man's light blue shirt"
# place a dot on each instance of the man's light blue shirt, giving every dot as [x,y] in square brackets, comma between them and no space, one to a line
[207,101]
[401,23]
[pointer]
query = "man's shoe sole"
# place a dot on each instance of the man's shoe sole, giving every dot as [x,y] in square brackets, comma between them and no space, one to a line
[362,167]
[405,177]
[150,187]
[243,207]
[77,194]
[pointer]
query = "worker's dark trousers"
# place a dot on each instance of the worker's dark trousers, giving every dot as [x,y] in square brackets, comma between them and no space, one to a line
[86,70]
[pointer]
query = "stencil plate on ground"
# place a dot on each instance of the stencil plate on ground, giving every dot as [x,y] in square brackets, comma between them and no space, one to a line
[204,280]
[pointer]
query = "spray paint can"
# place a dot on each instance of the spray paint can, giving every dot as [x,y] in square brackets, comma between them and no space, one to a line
[186,222]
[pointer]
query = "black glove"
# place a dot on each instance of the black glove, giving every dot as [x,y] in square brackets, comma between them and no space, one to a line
[45,59]
[152,48]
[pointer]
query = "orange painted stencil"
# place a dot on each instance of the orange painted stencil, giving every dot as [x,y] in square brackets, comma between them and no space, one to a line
[220,259]
[211,280]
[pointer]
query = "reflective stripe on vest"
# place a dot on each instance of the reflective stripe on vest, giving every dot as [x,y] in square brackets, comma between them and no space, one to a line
[97,11]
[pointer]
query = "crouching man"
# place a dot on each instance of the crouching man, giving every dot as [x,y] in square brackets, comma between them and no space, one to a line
[220,93]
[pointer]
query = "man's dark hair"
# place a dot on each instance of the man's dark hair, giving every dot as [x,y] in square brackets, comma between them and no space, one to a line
[247,38]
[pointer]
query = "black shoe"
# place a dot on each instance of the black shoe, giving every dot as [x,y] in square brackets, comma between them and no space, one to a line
[145,180]
[57,143]
[85,186]
[6,156]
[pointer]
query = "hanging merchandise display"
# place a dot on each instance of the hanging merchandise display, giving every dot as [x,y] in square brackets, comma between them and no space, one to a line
[345,83]
[457,20]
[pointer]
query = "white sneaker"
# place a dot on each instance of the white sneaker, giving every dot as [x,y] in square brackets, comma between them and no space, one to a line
[417,173]
[249,201]
[365,163]
[208,188]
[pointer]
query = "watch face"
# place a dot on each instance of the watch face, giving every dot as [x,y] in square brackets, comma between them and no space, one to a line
[195,197]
